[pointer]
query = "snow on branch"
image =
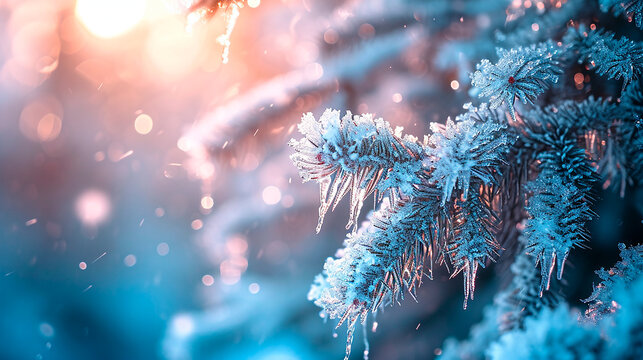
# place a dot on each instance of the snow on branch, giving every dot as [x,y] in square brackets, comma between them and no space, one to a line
[624,272]
[558,213]
[522,72]
[615,58]
[380,263]
[467,149]
[356,154]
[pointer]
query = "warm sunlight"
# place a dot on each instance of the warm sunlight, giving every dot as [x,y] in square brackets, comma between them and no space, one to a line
[110,18]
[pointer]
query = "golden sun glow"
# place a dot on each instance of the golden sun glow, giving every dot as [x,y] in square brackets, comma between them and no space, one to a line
[110,18]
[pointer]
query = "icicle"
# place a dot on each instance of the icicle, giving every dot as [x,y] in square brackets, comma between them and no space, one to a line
[366,344]
[324,185]
[470,272]
[547,264]
[561,265]
[232,14]
[349,336]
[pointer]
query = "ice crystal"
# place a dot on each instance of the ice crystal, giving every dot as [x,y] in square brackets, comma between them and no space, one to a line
[499,176]
[611,328]
[624,328]
[199,10]
[522,298]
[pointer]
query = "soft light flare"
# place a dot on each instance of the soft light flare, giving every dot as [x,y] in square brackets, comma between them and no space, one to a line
[93,207]
[110,18]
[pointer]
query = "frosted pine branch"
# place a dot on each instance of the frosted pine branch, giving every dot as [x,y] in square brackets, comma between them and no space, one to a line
[624,272]
[632,9]
[466,149]
[558,215]
[614,58]
[522,72]
[356,155]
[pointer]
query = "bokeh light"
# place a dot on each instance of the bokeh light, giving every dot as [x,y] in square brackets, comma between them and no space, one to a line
[41,119]
[129,260]
[271,195]
[163,249]
[207,280]
[207,202]
[143,124]
[93,207]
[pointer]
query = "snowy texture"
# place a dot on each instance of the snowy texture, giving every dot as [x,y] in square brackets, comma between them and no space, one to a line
[473,240]
[382,261]
[610,330]
[522,298]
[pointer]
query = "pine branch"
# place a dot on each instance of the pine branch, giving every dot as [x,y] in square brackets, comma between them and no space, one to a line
[548,20]
[624,272]
[356,154]
[558,212]
[600,50]
[522,298]
[473,147]
[632,9]
[552,333]
[472,240]
[522,72]
[383,260]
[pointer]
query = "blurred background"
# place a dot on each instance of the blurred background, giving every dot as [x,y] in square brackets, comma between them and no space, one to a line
[148,207]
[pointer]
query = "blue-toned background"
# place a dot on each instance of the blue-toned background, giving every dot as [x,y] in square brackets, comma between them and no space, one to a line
[148,208]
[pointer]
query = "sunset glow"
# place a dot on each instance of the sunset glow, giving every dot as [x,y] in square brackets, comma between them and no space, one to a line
[110,18]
